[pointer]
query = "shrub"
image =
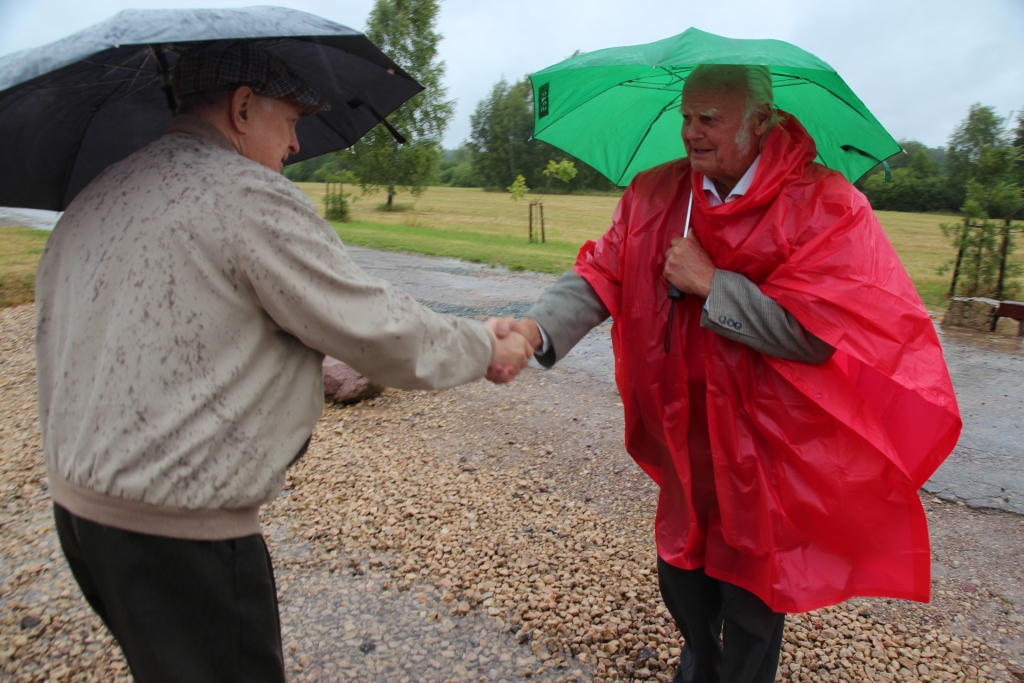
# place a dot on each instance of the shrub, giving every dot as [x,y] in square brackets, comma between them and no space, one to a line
[336,203]
[983,266]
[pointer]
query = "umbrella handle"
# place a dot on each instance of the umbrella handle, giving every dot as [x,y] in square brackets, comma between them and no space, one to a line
[673,291]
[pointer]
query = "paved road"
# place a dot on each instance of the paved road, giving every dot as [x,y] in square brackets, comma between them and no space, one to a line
[985,470]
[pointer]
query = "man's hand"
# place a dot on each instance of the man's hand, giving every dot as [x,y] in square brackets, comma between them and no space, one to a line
[511,350]
[500,327]
[688,267]
[529,329]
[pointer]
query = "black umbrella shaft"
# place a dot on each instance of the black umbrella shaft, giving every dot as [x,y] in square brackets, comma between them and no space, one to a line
[399,138]
[165,75]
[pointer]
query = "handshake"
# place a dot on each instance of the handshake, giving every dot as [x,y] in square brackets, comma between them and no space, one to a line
[515,342]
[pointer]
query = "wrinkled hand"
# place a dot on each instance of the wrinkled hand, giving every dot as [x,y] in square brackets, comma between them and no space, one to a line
[688,267]
[501,327]
[511,350]
[529,329]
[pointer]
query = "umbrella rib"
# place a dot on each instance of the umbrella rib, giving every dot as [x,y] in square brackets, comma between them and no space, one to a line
[78,147]
[640,144]
[642,83]
[117,67]
[130,91]
[83,85]
[127,93]
[119,97]
[139,71]
[807,81]
[136,72]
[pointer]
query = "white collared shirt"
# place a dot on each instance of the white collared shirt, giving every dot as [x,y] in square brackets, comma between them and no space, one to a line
[741,187]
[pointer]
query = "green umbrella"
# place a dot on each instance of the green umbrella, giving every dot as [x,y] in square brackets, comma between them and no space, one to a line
[618,109]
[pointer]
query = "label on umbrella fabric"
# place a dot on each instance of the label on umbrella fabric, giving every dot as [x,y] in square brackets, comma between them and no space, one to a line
[542,101]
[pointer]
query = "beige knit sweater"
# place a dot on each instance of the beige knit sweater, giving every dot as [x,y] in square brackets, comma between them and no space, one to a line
[185,301]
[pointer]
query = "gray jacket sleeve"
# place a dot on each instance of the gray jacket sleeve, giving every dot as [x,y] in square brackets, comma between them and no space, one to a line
[738,310]
[566,311]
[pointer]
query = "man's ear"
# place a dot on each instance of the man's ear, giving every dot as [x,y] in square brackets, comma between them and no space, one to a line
[764,118]
[242,103]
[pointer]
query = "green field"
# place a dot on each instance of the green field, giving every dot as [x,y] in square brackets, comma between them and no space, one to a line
[473,225]
[922,248]
[487,227]
[20,249]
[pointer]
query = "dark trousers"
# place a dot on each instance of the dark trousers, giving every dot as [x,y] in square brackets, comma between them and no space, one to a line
[731,634]
[195,611]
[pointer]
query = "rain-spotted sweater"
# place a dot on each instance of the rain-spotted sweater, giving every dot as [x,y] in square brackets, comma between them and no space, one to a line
[185,301]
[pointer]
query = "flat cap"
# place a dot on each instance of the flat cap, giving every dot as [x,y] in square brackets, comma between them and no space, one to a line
[227,65]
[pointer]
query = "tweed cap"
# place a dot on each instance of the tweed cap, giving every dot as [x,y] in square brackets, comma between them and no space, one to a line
[228,65]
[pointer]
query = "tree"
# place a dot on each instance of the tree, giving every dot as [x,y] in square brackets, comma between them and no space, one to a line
[930,161]
[980,131]
[518,189]
[910,190]
[923,164]
[986,155]
[456,170]
[916,183]
[983,266]
[503,144]
[502,126]
[319,169]
[562,171]
[405,30]
[1018,144]
[911,149]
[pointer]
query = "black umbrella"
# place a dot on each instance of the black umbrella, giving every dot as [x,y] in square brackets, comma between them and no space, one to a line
[71,108]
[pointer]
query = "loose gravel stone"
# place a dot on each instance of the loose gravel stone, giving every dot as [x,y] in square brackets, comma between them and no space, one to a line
[487,534]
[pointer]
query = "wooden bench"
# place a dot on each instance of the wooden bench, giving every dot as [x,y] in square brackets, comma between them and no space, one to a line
[1011,309]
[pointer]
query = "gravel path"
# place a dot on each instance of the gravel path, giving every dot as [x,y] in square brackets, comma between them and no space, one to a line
[986,470]
[488,534]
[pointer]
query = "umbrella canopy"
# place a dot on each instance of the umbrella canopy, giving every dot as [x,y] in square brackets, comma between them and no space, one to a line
[618,109]
[71,108]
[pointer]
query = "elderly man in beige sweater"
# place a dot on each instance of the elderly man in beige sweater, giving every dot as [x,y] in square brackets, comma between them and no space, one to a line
[185,302]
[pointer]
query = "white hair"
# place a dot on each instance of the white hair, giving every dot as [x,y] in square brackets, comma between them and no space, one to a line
[756,81]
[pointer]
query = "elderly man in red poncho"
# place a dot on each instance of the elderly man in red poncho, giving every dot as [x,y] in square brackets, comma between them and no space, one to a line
[789,402]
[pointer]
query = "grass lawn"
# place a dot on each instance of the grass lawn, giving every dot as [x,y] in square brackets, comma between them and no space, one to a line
[473,225]
[922,248]
[487,227]
[20,249]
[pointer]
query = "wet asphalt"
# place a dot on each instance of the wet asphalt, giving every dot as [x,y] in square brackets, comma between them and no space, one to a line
[986,470]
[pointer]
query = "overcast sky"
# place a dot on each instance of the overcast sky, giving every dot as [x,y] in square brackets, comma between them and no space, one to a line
[917,64]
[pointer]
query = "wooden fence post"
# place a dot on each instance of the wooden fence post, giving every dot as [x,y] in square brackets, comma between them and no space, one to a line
[531,223]
[543,237]
[1002,261]
[977,267]
[959,258]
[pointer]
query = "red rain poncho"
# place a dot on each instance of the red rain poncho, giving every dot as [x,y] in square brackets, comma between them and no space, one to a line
[797,482]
